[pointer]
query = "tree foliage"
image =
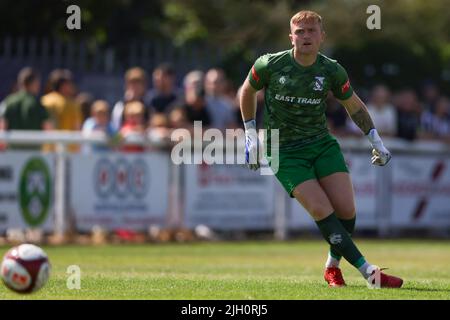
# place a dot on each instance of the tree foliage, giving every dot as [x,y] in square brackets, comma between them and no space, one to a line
[414,35]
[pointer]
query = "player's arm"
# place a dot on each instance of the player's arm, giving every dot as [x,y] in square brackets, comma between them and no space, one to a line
[255,81]
[358,112]
[247,101]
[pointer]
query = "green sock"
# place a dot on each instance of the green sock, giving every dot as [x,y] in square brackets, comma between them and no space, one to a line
[337,236]
[349,225]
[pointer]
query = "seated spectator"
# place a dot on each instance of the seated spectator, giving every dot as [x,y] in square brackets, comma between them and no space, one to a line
[22,110]
[158,127]
[219,107]
[178,119]
[85,100]
[381,110]
[98,122]
[195,105]
[135,90]
[409,111]
[133,126]
[437,125]
[164,95]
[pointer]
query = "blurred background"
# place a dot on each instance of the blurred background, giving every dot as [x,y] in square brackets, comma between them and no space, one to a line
[144,68]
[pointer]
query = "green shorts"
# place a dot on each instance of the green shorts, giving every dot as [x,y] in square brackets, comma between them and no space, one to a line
[313,161]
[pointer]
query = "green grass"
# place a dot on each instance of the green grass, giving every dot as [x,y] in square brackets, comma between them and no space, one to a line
[244,270]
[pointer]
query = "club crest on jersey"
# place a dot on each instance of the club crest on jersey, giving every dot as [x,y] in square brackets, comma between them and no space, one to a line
[282,80]
[318,85]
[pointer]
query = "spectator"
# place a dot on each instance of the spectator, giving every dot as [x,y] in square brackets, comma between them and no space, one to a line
[408,114]
[65,112]
[63,109]
[158,127]
[381,110]
[98,122]
[85,100]
[133,126]
[437,125]
[136,81]
[430,94]
[164,95]
[195,106]
[219,107]
[178,119]
[22,110]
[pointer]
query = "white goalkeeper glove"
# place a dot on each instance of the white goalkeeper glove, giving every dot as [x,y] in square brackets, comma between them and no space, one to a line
[380,155]
[251,145]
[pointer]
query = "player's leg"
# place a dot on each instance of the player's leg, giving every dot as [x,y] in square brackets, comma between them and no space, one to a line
[332,173]
[313,198]
[298,176]
[339,190]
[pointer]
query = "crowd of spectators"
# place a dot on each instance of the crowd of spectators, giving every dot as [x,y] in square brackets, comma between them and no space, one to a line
[158,105]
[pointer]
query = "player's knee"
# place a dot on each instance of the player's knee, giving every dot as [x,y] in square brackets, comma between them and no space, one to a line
[319,211]
[347,212]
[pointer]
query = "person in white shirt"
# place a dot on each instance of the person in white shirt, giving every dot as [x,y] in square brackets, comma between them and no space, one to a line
[381,110]
[220,109]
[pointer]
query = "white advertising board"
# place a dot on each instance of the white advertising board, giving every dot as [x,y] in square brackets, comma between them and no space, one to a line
[228,197]
[421,192]
[119,190]
[26,190]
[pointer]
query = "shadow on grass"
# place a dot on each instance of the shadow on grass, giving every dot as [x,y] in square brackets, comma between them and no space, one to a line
[422,289]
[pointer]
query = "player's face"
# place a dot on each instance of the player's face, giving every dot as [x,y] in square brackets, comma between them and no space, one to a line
[306,37]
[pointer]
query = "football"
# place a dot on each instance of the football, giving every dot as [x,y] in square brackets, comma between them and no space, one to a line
[25,268]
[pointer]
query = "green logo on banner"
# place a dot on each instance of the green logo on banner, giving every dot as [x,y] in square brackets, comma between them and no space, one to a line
[34,191]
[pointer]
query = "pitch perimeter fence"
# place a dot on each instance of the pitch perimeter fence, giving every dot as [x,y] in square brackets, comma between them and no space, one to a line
[57,191]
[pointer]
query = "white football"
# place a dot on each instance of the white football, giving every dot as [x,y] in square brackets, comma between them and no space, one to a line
[25,268]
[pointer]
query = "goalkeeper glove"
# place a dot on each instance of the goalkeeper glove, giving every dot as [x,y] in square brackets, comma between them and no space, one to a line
[251,145]
[380,155]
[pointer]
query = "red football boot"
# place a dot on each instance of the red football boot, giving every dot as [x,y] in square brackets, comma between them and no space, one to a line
[387,281]
[334,277]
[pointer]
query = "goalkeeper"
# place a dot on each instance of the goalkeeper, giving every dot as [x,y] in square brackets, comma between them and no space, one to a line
[311,165]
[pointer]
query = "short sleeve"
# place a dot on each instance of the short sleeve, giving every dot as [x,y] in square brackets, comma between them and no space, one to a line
[259,74]
[342,88]
[3,109]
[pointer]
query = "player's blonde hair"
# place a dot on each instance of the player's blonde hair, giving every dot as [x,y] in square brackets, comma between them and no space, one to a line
[307,16]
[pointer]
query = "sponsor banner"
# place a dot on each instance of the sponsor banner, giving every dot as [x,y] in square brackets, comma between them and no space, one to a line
[26,190]
[228,197]
[117,190]
[420,192]
[363,175]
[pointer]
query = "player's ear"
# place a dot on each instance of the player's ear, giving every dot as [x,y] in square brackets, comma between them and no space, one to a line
[291,39]
[324,35]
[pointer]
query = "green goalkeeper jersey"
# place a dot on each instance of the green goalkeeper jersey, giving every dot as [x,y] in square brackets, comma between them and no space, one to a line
[295,96]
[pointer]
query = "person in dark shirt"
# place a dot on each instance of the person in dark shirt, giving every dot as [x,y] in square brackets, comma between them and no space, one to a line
[409,111]
[164,95]
[22,110]
[195,105]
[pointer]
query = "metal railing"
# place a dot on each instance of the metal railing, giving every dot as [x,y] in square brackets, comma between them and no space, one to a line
[61,139]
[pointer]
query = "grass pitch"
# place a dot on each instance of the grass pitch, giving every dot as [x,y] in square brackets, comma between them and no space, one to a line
[244,270]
